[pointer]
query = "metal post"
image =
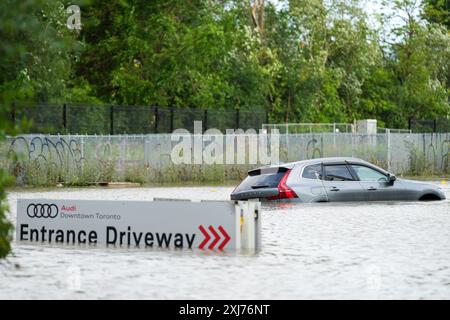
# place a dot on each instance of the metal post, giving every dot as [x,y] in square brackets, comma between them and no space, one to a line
[171,119]
[388,138]
[352,138]
[237,119]
[434,125]
[13,114]
[65,117]
[156,120]
[334,136]
[205,121]
[321,146]
[82,154]
[111,118]
[409,123]
[146,152]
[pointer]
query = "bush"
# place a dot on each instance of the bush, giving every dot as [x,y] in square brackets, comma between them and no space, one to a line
[5,226]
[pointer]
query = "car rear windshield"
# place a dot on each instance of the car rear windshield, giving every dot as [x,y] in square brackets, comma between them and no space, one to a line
[264,180]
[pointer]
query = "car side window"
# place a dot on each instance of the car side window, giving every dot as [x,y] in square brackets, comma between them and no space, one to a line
[313,172]
[338,172]
[368,174]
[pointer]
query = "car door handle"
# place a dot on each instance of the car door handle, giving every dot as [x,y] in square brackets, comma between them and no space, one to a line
[334,189]
[371,188]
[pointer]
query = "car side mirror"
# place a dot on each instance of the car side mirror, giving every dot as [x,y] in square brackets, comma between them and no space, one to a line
[391,179]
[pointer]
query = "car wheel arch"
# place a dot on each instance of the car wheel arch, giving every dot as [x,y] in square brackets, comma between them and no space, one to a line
[430,195]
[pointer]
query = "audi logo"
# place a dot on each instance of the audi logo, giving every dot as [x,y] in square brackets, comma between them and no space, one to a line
[37,210]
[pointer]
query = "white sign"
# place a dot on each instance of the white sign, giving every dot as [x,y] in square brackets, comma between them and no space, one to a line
[207,225]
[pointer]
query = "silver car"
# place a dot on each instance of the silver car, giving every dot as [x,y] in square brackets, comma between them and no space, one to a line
[331,179]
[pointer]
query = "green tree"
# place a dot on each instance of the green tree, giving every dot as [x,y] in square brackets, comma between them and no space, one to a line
[437,11]
[14,19]
[420,64]
[326,51]
[308,61]
[36,54]
[171,53]
[5,225]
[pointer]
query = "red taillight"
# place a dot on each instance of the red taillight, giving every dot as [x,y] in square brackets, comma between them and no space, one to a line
[284,192]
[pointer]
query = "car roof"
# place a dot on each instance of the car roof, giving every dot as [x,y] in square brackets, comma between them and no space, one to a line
[328,160]
[325,160]
[313,161]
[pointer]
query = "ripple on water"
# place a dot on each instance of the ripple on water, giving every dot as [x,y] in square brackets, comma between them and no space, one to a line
[344,250]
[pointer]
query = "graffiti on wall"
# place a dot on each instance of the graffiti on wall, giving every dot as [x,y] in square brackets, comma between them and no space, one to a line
[104,155]
[428,155]
[58,152]
[312,149]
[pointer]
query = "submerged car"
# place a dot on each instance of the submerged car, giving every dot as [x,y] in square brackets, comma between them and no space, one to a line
[329,180]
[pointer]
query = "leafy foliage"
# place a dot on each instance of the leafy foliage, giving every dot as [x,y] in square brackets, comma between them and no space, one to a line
[37,52]
[308,60]
[437,11]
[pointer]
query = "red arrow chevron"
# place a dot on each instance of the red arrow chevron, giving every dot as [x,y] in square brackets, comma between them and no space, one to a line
[227,238]
[207,237]
[216,238]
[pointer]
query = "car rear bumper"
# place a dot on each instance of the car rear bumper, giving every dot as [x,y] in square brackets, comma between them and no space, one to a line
[254,194]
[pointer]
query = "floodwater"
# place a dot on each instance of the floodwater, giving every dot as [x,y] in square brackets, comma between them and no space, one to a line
[310,251]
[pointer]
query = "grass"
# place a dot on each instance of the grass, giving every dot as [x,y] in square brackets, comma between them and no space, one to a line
[426,177]
[46,174]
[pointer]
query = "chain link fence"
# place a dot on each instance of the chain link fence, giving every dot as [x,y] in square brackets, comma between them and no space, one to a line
[119,119]
[68,118]
[147,158]
[293,128]
[428,126]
